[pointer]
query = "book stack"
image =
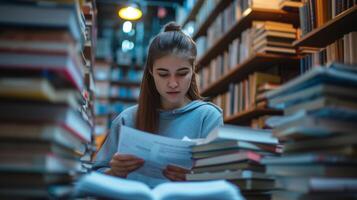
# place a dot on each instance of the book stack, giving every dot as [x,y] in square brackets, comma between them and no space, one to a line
[319,159]
[44,124]
[290,5]
[274,37]
[234,153]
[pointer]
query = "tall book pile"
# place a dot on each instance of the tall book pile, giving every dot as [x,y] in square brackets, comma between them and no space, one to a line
[274,37]
[44,98]
[234,153]
[318,130]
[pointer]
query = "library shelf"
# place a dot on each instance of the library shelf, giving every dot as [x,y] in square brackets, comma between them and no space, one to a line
[193,12]
[128,67]
[259,61]
[244,118]
[248,16]
[127,83]
[332,30]
[221,5]
[123,99]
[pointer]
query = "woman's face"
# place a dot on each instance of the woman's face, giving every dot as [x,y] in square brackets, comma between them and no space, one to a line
[172,77]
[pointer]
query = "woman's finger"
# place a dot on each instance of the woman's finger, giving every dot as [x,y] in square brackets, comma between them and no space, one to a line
[125,157]
[177,169]
[176,176]
[169,176]
[125,164]
[134,167]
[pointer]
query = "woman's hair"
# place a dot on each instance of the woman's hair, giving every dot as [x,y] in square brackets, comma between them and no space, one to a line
[171,41]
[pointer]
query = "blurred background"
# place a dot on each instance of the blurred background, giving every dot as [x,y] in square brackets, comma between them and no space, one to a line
[69,67]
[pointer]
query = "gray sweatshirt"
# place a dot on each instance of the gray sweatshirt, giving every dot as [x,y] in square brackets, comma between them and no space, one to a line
[194,120]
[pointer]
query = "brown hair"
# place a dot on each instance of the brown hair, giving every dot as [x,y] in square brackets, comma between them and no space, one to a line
[171,41]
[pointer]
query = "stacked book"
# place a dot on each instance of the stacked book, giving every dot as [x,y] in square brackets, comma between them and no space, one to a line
[319,159]
[290,5]
[273,37]
[234,153]
[43,129]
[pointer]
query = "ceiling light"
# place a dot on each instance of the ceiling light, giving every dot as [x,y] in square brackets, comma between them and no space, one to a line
[131,12]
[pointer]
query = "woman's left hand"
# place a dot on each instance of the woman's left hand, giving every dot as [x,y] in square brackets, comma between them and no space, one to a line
[175,173]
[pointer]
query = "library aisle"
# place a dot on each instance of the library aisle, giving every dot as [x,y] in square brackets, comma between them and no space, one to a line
[281,73]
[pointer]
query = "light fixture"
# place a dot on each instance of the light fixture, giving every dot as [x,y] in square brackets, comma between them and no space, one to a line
[127,26]
[130,12]
[127,45]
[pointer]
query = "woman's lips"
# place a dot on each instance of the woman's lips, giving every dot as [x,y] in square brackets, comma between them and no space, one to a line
[172,93]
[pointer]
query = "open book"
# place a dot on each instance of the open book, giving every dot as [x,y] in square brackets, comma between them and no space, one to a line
[105,186]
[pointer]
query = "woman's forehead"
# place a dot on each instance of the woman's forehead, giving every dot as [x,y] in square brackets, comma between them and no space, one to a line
[171,62]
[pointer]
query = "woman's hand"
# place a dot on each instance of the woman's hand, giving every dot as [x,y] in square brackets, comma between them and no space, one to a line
[175,173]
[122,164]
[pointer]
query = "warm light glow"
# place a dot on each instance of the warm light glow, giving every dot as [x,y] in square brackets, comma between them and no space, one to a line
[130,13]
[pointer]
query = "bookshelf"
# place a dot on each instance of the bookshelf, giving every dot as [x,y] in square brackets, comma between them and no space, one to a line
[193,12]
[123,99]
[257,62]
[244,118]
[254,90]
[202,29]
[344,23]
[126,83]
[248,16]
[128,67]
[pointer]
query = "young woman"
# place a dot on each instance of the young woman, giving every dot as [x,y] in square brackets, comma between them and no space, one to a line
[169,104]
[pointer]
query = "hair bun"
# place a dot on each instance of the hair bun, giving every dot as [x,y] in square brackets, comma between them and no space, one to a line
[172,26]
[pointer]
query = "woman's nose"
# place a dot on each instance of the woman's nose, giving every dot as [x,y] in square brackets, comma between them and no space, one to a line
[172,82]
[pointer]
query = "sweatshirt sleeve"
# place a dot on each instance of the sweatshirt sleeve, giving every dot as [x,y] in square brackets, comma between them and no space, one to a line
[109,148]
[212,120]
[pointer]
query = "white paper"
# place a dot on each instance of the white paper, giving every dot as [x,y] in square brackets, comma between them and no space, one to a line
[157,151]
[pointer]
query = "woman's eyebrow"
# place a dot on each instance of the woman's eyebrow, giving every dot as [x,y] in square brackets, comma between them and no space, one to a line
[183,68]
[162,69]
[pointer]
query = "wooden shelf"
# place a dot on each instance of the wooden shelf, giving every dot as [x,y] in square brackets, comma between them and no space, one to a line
[254,63]
[249,16]
[127,67]
[191,16]
[128,83]
[124,99]
[245,117]
[334,29]
[221,5]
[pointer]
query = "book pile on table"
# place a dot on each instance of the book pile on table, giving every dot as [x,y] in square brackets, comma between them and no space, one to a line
[234,153]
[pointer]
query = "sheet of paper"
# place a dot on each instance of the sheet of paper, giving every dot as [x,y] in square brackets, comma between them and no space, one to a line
[157,151]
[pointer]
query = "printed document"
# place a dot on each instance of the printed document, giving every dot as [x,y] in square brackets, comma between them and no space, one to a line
[157,151]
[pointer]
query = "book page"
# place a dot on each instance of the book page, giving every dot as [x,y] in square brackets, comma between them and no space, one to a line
[157,151]
[208,190]
[100,185]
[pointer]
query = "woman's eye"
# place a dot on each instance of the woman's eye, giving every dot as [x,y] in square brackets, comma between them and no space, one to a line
[163,75]
[182,73]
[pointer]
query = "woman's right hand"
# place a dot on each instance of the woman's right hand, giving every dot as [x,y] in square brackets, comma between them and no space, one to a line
[122,164]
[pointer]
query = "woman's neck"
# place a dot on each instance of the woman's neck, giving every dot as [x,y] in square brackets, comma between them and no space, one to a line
[170,106]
